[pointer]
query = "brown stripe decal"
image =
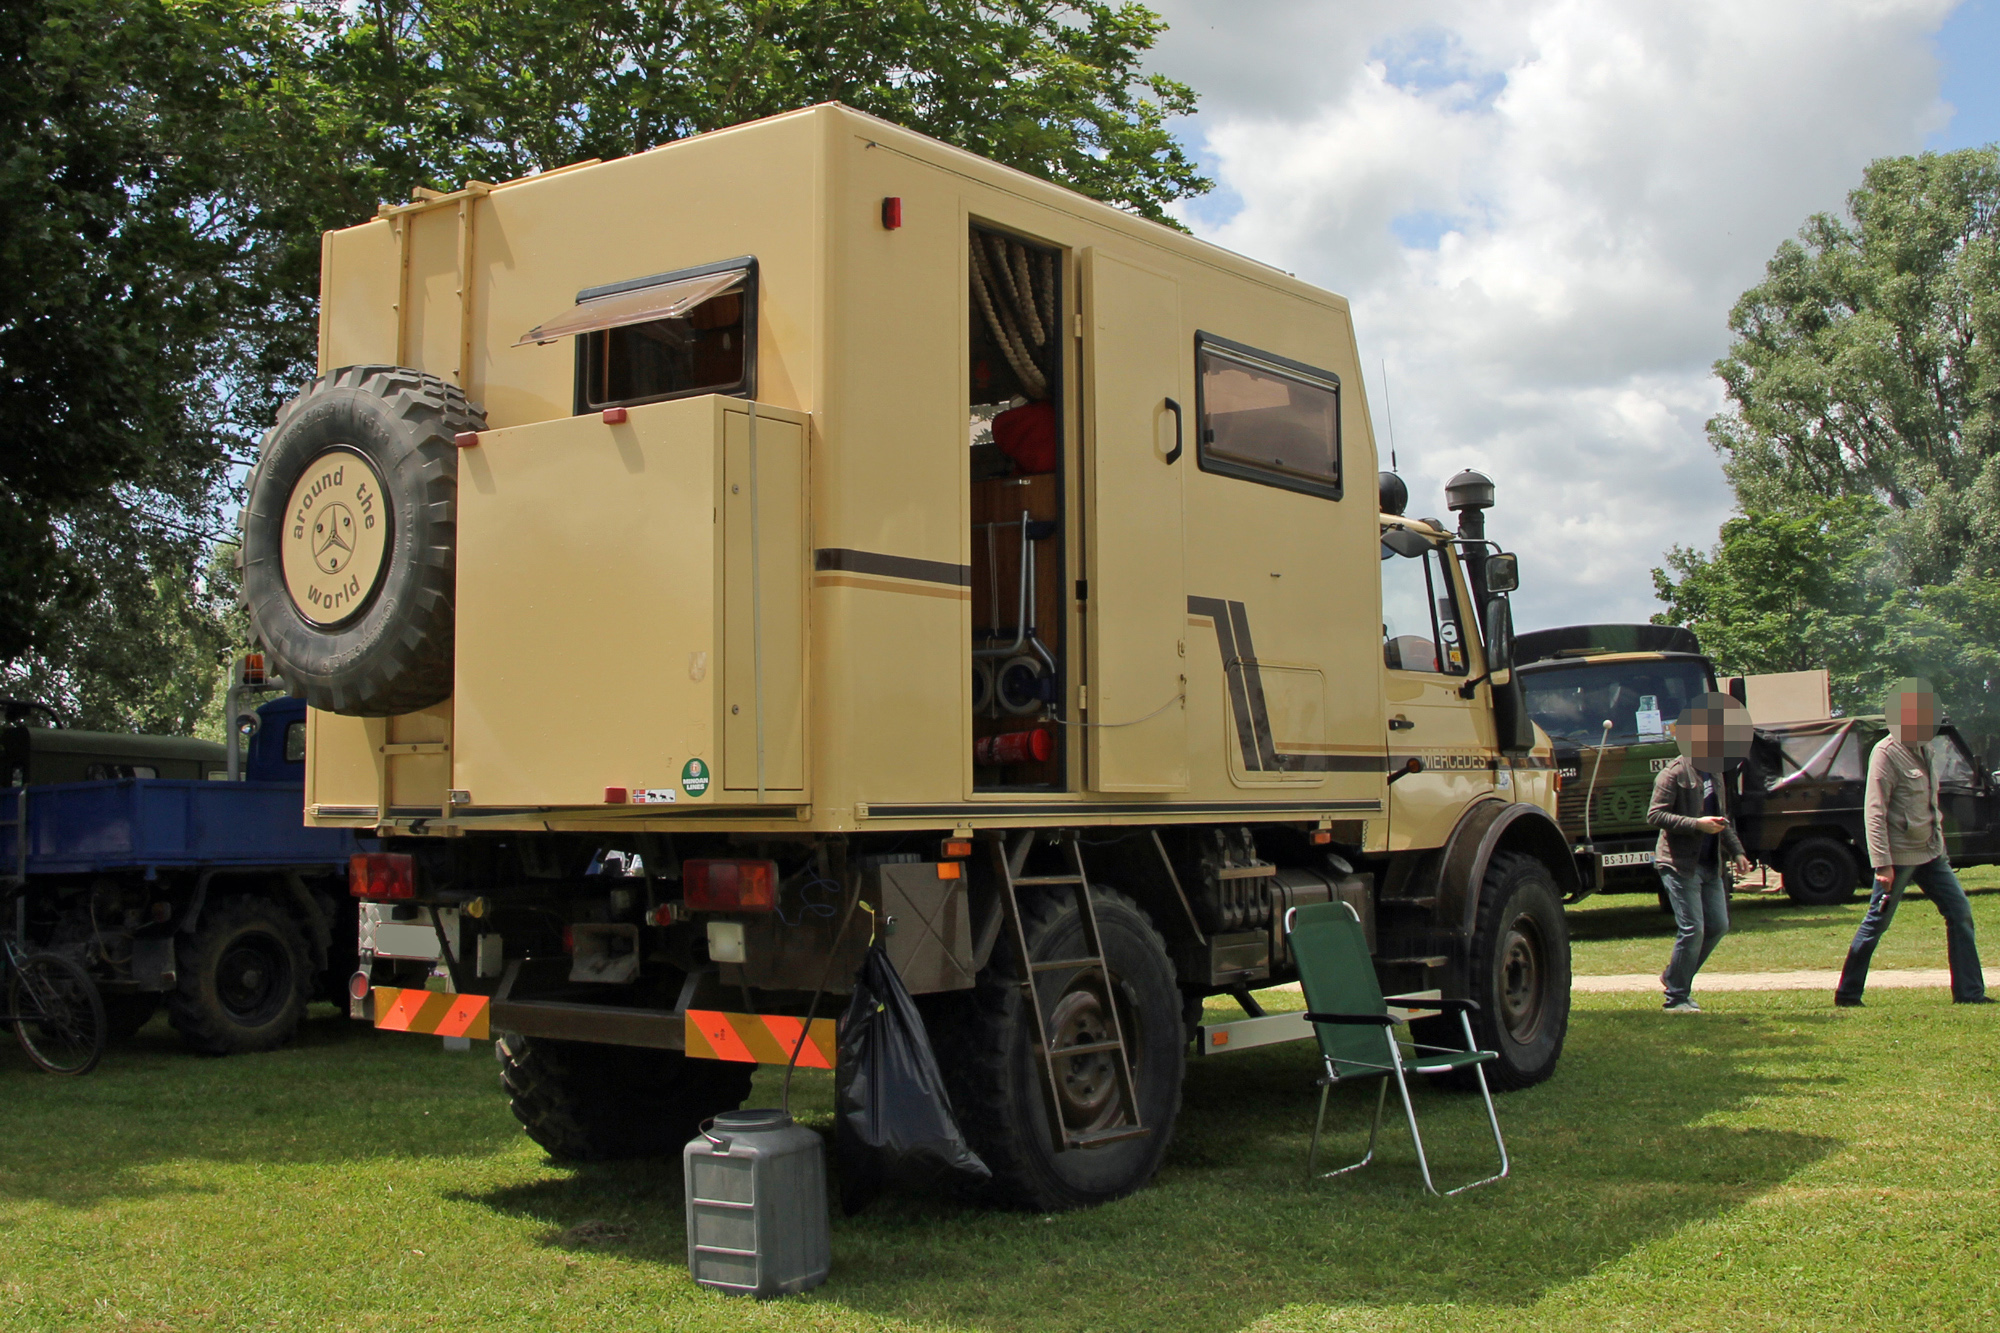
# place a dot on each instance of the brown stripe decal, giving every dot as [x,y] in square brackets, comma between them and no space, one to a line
[1245,675]
[892,566]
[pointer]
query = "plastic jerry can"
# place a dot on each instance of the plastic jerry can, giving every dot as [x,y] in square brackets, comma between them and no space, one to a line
[756,1205]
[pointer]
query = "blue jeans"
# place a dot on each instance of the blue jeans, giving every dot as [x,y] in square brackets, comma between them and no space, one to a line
[1701,918]
[1968,982]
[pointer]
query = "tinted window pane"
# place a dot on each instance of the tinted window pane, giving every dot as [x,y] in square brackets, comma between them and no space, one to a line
[1264,419]
[700,352]
[295,743]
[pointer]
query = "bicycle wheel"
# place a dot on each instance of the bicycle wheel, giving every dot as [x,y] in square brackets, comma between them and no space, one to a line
[58,1015]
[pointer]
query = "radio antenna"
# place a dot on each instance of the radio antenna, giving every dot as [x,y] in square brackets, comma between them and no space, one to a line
[1390,410]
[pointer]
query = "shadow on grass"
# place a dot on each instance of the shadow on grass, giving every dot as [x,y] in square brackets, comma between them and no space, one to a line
[1622,1147]
[340,1092]
[1752,916]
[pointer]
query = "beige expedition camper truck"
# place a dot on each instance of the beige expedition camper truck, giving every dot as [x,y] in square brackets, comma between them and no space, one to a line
[701,563]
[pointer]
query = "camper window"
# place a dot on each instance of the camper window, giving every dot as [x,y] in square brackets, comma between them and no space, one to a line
[671,336]
[1268,419]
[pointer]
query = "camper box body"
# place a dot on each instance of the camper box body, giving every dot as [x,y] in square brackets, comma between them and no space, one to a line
[758,610]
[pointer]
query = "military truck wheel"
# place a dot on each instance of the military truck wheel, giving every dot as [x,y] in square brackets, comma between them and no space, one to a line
[1821,872]
[1519,974]
[243,979]
[349,539]
[585,1102]
[999,1091]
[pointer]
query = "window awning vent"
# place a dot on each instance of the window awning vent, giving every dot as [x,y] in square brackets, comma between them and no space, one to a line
[666,299]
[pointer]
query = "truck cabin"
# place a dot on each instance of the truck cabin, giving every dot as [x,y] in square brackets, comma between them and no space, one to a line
[35,749]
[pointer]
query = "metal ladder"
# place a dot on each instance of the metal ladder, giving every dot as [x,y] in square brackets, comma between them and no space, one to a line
[1009,861]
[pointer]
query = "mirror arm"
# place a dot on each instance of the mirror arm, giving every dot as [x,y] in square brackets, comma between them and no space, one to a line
[1471,687]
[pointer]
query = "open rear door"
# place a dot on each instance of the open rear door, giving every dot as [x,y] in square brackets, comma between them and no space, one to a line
[1137,606]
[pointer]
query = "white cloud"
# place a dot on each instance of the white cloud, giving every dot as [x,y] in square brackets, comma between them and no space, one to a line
[1543,213]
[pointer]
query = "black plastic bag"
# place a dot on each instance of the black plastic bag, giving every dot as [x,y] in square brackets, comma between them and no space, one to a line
[894,1122]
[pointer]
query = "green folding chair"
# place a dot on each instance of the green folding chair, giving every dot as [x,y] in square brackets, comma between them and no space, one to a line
[1357,1032]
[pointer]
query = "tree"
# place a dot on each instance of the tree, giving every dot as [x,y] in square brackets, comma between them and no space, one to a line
[1785,592]
[1863,443]
[167,166]
[1868,363]
[130,258]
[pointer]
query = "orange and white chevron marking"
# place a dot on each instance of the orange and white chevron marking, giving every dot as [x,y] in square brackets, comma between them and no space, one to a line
[761,1039]
[432,1013]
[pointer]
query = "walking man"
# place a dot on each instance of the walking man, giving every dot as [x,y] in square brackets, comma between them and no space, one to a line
[1905,844]
[1691,809]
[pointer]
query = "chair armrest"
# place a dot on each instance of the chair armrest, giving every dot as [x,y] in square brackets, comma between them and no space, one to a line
[1355,1020]
[1442,1006]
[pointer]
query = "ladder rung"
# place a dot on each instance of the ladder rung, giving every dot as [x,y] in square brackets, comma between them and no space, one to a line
[1057,964]
[1047,879]
[1089,1048]
[1098,1138]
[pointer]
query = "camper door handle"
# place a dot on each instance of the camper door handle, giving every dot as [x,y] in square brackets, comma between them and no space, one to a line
[1174,456]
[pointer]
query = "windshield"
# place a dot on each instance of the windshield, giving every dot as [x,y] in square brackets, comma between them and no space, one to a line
[1639,699]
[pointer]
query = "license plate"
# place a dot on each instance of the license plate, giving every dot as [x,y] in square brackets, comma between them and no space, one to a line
[1610,859]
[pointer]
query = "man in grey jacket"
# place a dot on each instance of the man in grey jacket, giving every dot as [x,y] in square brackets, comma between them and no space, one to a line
[1906,843]
[1690,807]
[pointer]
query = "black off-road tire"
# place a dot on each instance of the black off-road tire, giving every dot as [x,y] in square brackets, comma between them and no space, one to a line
[383,645]
[1821,872]
[1518,971]
[985,1049]
[584,1102]
[243,979]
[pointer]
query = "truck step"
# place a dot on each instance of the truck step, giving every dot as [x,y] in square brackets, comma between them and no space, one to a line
[1432,960]
[1059,964]
[1088,1048]
[1098,1138]
[1021,880]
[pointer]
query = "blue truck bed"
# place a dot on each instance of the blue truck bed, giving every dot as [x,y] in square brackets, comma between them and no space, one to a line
[85,827]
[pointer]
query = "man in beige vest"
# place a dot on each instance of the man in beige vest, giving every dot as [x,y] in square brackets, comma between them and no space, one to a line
[1906,844]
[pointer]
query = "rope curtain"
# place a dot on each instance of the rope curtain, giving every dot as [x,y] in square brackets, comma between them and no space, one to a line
[1015,290]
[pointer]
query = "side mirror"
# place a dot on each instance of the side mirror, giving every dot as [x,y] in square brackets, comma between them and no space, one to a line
[1499,635]
[1503,572]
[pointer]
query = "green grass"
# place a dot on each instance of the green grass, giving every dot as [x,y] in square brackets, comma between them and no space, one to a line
[1628,933]
[1778,1166]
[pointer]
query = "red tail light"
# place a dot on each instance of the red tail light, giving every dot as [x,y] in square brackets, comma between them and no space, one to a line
[382,877]
[730,886]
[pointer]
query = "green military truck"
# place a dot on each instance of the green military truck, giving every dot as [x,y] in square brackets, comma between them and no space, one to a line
[1605,694]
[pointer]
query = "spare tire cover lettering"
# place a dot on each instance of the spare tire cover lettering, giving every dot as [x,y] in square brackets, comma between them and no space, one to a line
[335,546]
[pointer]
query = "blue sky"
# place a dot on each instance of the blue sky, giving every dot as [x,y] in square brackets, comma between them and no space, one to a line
[1969,46]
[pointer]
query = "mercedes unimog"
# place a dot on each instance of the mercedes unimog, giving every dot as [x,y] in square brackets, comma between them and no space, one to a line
[1606,696]
[702,563]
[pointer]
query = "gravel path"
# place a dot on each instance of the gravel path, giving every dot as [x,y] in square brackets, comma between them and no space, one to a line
[1927,978]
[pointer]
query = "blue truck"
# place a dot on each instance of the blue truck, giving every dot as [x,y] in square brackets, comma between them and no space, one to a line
[171,884]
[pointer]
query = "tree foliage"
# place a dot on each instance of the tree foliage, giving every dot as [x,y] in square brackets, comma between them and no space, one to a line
[167,166]
[1863,443]
[1868,363]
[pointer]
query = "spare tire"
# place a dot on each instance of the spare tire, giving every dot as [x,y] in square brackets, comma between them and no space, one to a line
[349,539]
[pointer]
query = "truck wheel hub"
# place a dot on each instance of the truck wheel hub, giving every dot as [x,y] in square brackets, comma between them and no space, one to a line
[1521,976]
[1086,1085]
[336,538]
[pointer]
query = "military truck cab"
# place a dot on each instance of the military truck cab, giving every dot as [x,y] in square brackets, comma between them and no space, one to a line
[1606,696]
[951,544]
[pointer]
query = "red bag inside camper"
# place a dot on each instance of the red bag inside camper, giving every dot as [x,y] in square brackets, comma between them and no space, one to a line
[1027,434]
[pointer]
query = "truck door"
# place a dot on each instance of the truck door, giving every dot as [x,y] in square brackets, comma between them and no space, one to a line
[1136,605]
[1429,648]
[1966,801]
